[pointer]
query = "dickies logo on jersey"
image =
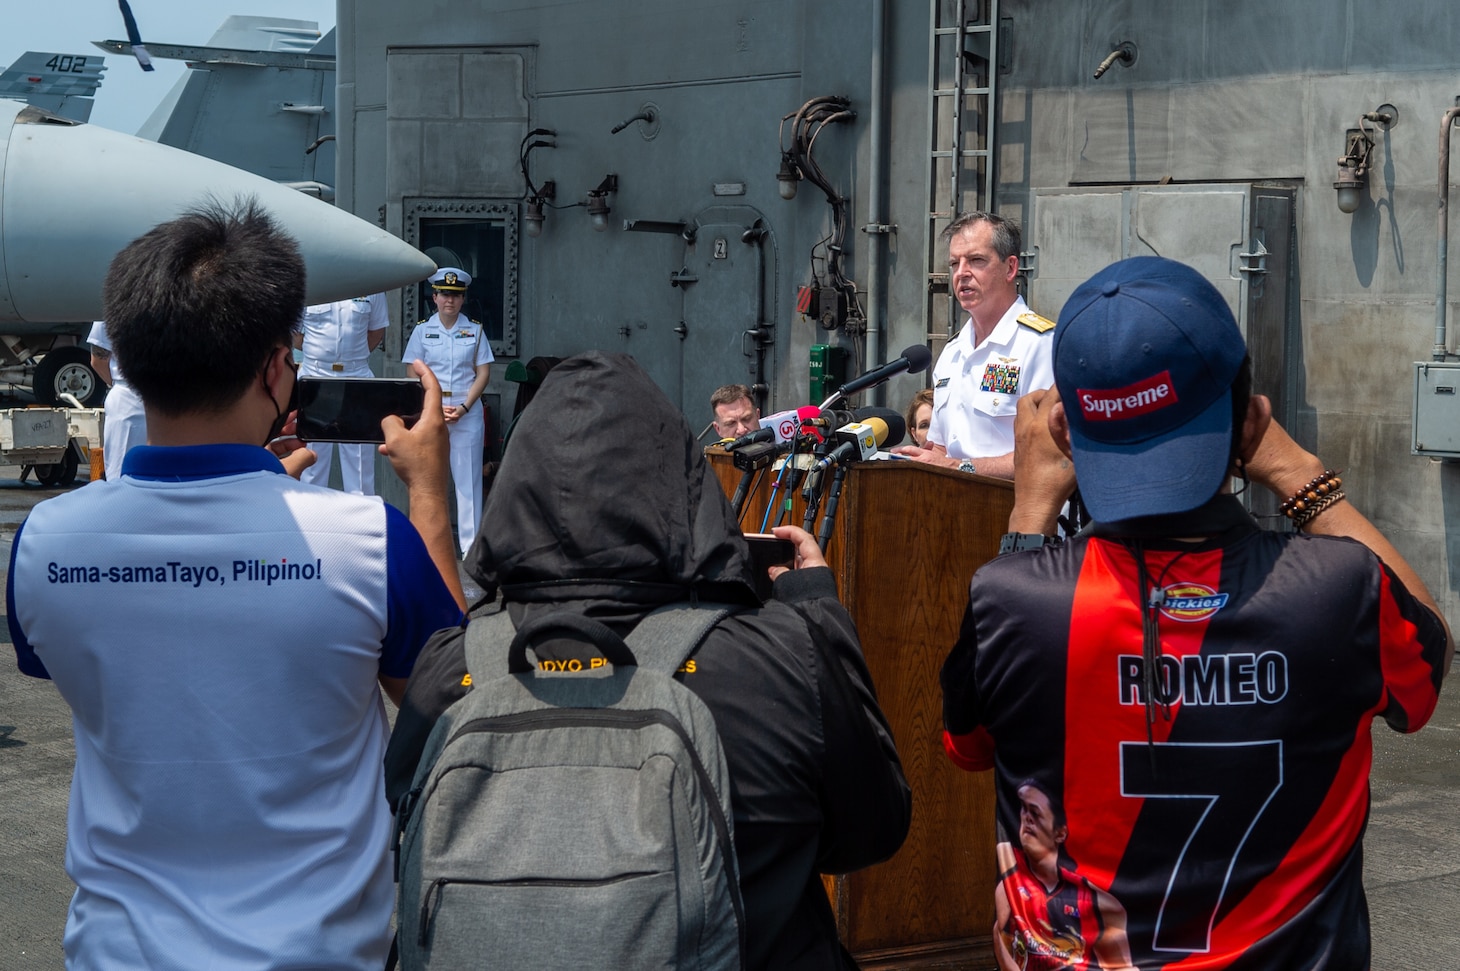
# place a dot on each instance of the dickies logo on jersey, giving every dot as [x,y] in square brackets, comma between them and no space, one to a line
[1192,603]
[1001,376]
[1132,401]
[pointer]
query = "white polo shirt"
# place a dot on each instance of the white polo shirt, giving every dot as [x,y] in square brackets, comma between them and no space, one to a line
[976,389]
[228,807]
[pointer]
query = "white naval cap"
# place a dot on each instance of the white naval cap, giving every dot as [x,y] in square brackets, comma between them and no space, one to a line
[451,279]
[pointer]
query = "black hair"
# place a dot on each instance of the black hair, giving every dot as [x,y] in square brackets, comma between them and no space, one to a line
[195,306]
[1056,806]
[1007,237]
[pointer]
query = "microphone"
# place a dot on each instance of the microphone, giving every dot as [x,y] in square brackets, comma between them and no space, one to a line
[750,438]
[894,424]
[757,455]
[859,440]
[914,359]
[780,428]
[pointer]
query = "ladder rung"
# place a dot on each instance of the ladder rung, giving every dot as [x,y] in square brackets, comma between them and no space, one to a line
[966,153]
[945,92]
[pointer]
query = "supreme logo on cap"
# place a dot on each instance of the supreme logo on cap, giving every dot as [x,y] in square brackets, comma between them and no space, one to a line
[1132,401]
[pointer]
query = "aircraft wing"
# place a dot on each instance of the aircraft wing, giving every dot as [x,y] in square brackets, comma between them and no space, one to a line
[195,54]
[62,84]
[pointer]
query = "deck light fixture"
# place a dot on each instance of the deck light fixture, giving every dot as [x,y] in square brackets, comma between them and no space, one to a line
[598,208]
[1353,164]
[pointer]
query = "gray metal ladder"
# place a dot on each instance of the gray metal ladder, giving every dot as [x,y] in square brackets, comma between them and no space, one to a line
[962,45]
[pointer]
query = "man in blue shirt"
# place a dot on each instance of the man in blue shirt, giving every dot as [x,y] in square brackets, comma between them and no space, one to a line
[227,808]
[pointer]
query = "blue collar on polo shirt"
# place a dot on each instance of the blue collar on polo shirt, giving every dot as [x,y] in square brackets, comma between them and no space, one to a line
[183,463]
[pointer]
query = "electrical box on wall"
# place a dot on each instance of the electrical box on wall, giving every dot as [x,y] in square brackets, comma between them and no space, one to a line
[828,370]
[1437,409]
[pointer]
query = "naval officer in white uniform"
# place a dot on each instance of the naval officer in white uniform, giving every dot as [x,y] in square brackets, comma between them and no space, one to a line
[456,349]
[337,339]
[1003,351]
[126,423]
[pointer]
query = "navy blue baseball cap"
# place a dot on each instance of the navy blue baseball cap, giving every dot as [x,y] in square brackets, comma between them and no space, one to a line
[1145,354]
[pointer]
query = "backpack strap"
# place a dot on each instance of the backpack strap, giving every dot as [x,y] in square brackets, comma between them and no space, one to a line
[486,636]
[663,640]
[669,636]
[487,640]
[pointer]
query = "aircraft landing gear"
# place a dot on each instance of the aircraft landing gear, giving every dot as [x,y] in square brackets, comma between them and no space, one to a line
[67,370]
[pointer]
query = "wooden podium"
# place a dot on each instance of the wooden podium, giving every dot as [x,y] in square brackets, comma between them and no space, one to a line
[905,541]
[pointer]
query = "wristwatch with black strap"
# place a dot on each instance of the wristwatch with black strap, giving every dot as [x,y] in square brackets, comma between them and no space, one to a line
[1019,542]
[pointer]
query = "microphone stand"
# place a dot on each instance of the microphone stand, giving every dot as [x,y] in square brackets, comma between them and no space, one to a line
[812,495]
[788,463]
[823,535]
[742,491]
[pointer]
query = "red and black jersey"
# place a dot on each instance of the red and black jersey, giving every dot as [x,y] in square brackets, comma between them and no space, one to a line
[1051,929]
[1231,832]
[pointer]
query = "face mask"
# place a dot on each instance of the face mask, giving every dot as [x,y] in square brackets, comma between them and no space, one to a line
[281,418]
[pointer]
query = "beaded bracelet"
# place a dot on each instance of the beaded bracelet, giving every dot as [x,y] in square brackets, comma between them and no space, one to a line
[1321,492]
[1305,517]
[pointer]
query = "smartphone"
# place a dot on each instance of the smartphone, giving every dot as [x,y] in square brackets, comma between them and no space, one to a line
[351,409]
[767,551]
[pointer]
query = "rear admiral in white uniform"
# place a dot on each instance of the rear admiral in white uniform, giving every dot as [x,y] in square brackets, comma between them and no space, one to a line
[337,339]
[457,350]
[1004,351]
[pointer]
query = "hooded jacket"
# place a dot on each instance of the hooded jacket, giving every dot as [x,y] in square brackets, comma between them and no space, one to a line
[604,505]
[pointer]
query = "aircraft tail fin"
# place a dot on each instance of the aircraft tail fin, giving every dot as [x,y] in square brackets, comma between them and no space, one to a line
[63,84]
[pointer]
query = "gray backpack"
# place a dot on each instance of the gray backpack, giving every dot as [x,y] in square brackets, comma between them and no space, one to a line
[572,816]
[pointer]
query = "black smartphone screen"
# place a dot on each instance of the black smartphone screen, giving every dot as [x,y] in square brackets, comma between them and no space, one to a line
[351,409]
[767,551]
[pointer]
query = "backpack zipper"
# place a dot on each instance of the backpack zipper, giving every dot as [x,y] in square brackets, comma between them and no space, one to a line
[438,888]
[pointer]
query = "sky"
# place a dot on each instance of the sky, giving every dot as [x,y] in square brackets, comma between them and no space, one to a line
[128,94]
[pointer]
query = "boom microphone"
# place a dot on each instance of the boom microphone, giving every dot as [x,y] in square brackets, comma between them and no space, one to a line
[914,359]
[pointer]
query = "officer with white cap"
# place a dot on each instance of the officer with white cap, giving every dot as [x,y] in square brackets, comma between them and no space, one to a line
[126,423]
[336,340]
[459,354]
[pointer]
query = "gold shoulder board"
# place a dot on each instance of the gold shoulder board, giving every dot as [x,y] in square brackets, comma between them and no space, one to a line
[1035,322]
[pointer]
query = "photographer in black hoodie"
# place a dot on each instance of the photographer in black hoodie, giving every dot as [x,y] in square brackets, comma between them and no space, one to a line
[604,505]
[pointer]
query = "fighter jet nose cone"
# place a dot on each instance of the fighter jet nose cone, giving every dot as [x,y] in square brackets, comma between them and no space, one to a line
[71,196]
[344,256]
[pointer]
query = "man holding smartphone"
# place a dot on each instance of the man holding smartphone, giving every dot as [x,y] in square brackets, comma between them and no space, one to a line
[337,339]
[226,808]
[457,351]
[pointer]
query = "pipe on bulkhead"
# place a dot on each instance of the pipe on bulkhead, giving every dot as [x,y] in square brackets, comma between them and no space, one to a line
[877,230]
[1446,128]
[1125,54]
